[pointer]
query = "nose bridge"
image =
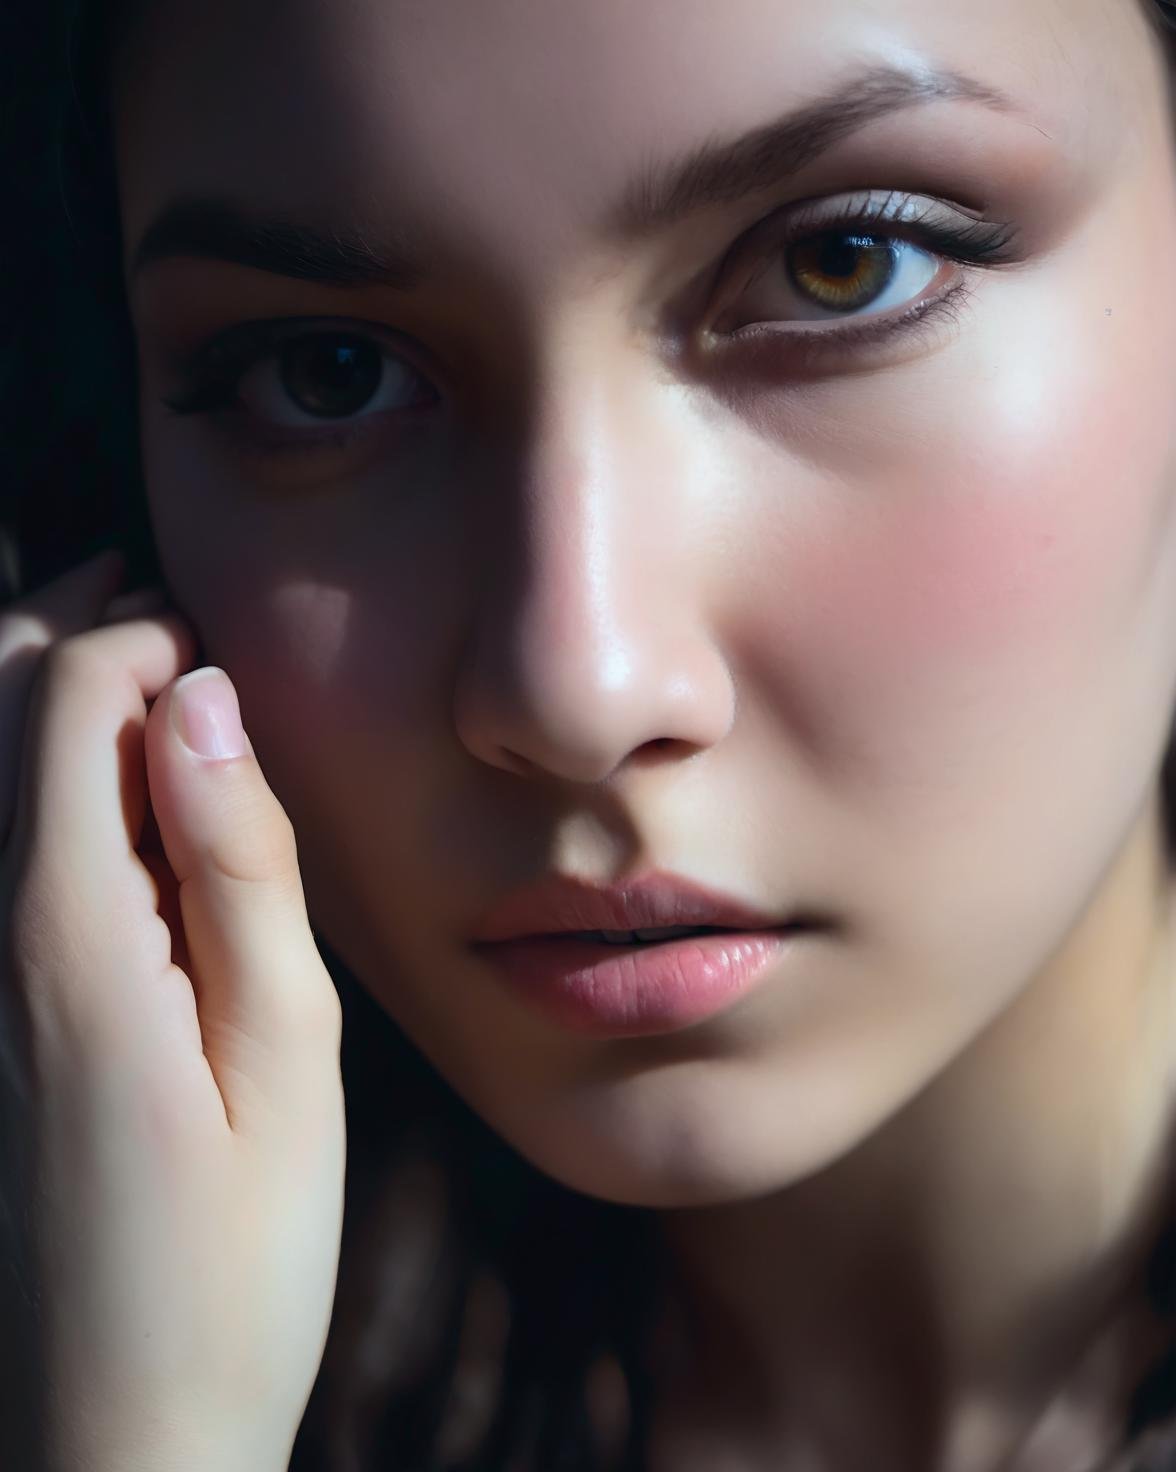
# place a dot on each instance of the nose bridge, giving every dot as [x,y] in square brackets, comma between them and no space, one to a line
[591,474]
[589,640]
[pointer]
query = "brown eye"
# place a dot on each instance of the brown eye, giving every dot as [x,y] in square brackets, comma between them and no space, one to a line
[840,271]
[331,376]
[338,377]
[824,277]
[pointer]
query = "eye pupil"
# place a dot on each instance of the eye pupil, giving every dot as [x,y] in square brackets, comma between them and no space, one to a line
[331,376]
[841,255]
[841,269]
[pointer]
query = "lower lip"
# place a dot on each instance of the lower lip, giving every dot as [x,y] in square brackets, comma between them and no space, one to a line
[633,991]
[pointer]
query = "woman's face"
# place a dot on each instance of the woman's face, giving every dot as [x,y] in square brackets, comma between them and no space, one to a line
[573,571]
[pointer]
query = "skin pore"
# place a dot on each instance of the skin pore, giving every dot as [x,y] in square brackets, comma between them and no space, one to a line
[883,628]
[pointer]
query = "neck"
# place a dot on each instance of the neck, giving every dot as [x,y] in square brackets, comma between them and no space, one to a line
[970,1280]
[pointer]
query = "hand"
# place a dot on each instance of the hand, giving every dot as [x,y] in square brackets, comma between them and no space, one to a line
[173,1037]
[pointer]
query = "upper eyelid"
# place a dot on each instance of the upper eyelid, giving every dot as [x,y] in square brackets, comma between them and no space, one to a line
[863,201]
[224,362]
[262,336]
[753,252]
[820,213]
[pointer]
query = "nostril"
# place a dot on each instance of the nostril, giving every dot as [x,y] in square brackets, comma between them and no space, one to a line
[662,746]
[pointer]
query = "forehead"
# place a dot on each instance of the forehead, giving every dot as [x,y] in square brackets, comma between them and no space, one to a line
[494,116]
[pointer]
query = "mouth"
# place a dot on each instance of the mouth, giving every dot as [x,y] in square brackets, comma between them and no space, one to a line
[631,983]
[651,953]
[657,935]
[650,909]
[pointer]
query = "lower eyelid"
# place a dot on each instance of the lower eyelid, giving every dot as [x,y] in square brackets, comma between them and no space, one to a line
[776,350]
[778,353]
[835,327]
[248,439]
[217,370]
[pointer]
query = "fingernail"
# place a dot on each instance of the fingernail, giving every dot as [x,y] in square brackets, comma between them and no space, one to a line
[207,714]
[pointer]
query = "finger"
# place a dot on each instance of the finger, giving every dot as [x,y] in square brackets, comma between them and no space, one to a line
[135,605]
[83,793]
[77,900]
[266,1002]
[108,566]
[167,905]
[68,605]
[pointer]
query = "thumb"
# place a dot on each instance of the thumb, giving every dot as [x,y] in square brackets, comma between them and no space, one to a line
[264,997]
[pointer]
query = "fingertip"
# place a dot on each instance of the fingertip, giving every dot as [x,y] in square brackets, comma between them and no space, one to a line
[206,715]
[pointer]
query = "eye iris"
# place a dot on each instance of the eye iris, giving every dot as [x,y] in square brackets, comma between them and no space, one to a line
[331,376]
[842,271]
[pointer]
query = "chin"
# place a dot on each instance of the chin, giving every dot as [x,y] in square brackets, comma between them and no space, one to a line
[701,1146]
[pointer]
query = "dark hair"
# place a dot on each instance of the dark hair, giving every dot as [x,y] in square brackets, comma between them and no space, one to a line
[459,1341]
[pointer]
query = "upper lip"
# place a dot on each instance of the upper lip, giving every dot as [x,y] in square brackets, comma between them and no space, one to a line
[559,902]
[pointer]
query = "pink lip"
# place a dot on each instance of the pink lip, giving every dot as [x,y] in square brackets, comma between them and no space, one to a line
[561,902]
[632,991]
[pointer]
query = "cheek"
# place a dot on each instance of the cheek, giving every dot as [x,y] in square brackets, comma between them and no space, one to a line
[336,619]
[335,616]
[990,536]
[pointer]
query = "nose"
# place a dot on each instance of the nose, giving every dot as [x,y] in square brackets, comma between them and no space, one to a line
[588,642]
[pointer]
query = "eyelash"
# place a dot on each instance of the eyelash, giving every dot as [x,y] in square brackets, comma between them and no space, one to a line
[213,375]
[783,353]
[212,381]
[979,242]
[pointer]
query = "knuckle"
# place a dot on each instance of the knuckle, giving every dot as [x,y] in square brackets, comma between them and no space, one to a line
[37,943]
[20,628]
[317,1016]
[34,943]
[72,661]
[62,657]
[48,966]
[278,837]
[268,851]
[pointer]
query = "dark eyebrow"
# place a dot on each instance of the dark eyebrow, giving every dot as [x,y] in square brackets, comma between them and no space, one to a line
[716,173]
[725,172]
[222,230]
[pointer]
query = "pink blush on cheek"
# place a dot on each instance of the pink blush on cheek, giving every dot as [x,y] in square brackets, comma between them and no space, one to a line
[1013,575]
[1009,506]
[935,582]
[953,580]
[1045,533]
